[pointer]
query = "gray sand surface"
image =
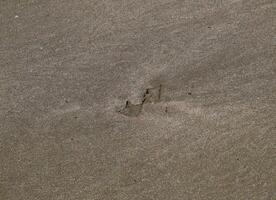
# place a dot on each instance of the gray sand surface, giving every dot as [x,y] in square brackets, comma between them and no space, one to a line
[137,99]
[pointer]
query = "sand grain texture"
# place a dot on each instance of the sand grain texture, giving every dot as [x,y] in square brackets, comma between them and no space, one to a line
[200,77]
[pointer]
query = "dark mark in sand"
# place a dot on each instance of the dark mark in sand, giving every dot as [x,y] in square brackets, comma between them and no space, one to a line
[152,95]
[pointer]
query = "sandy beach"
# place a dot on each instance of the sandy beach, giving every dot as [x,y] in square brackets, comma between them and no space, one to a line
[137,100]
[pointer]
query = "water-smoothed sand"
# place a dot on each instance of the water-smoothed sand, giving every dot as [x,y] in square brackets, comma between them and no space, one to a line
[137,100]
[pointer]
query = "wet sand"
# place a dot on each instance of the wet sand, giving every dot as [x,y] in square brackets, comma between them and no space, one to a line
[137,100]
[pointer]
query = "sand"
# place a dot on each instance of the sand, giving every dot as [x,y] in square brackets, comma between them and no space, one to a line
[137,100]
